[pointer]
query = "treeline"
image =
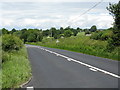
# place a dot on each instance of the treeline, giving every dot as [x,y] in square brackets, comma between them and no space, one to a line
[35,35]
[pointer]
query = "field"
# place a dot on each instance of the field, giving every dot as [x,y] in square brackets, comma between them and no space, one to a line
[82,44]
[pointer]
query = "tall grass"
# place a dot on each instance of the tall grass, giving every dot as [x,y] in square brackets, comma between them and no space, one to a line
[82,44]
[16,69]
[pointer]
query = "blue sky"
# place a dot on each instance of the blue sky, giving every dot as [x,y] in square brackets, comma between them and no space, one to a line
[44,14]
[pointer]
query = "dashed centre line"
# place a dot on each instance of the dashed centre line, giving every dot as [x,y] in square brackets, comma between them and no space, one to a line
[30,88]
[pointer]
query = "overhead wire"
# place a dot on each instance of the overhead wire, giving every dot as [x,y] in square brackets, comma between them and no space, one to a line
[73,19]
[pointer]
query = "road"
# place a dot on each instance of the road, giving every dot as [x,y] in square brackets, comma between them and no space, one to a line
[55,68]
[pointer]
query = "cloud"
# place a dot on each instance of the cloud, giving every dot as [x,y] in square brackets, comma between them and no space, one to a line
[46,15]
[86,21]
[100,20]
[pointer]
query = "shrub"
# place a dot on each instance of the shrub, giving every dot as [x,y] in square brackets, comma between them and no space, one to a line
[110,47]
[96,35]
[11,42]
[5,56]
[87,32]
[68,33]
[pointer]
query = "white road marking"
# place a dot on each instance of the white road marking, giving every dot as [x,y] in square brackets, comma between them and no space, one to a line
[69,59]
[30,88]
[87,65]
[93,69]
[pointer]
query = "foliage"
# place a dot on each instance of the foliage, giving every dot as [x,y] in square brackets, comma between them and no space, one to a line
[30,35]
[93,28]
[5,31]
[114,10]
[83,44]
[96,35]
[13,30]
[11,42]
[68,33]
[102,35]
[46,33]
[15,65]
[87,32]
[16,69]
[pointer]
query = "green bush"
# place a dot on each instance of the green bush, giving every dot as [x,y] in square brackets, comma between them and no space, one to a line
[5,56]
[102,35]
[68,33]
[87,32]
[96,35]
[11,42]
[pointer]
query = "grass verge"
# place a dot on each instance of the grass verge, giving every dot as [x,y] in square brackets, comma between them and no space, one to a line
[16,69]
[82,44]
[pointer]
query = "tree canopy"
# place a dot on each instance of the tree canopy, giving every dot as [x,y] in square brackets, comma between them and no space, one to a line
[114,10]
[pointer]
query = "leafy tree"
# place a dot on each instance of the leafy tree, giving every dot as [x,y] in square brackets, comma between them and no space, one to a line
[52,31]
[11,42]
[67,28]
[78,29]
[39,36]
[24,35]
[96,35]
[61,30]
[5,31]
[34,35]
[46,33]
[13,30]
[31,38]
[68,33]
[75,32]
[114,10]
[93,28]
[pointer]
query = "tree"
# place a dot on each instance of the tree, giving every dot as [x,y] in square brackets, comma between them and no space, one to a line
[34,35]
[46,33]
[39,36]
[11,42]
[31,38]
[93,28]
[24,35]
[61,30]
[114,10]
[5,31]
[13,30]
[68,33]
[52,31]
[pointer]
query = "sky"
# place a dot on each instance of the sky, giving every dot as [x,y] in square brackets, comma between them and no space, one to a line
[44,14]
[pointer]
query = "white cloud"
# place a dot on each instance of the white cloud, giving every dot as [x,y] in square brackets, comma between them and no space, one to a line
[101,20]
[42,15]
[7,22]
[86,21]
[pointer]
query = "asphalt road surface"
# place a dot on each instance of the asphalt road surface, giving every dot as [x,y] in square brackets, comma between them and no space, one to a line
[55,68]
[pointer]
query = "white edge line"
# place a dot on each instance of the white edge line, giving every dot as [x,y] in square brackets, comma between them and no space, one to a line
[87,65]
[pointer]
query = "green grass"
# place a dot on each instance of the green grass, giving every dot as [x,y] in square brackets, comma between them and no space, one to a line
[82,44]
[16,69]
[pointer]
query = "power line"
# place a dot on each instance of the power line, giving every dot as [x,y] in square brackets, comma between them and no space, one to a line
[87,11]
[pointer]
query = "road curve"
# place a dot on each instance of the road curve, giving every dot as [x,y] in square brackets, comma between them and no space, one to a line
[55,68]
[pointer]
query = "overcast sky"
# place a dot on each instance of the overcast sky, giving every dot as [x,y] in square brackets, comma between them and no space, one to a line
[44,14]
